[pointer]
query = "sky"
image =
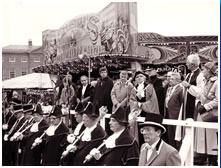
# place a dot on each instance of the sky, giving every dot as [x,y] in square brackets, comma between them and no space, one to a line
[27,19]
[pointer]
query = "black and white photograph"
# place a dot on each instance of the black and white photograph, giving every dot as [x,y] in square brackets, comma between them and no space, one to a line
[110,83]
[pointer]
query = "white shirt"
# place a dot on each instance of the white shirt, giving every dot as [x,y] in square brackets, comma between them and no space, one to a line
[50,131]
[78,128]
[87,133]
[83,90]
[110,142]
[34,127]
[140,89]
[151,148]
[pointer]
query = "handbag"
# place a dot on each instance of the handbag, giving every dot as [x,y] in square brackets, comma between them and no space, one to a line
[212,115]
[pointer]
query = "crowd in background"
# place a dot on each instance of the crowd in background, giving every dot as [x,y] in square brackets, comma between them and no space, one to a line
[69,132]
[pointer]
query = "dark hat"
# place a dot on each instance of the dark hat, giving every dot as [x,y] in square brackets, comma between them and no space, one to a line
[17,108]
[28,108]
[38,109]
[211,66]
[103,69]
[56,111]
[15,101]
[153,119]
[120,114]
[92,110]
[137,73]
[79,108]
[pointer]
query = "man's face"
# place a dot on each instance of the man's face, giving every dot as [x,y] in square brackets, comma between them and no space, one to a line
[103,74]
[78,117]
[114,125]
[84,80]
[206,72]
[37,117]
[173,81]
[140,78]
[150,134]
[88,122]
[191,66]
[28,115]
[123,77]
[54,120]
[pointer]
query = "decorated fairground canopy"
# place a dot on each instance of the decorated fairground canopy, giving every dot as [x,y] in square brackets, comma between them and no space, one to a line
[110,38]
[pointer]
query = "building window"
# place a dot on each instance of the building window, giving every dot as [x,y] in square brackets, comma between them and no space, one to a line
[12,59]
[24,72]
[24,59]
[36,58]
[11,73]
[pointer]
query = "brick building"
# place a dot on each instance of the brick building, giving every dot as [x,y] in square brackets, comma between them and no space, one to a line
[18,60]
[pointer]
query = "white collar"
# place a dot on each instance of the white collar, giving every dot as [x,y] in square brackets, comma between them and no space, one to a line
[87,133]
[51,130]
[110,142]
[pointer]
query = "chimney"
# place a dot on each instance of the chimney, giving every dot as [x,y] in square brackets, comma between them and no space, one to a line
[30,43]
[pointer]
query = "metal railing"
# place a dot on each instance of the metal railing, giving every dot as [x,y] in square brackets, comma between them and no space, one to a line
[186,151]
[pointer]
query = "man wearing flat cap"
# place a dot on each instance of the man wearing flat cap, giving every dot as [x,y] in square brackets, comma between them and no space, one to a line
[156,152]
[119,149]
[32,157]
[120,93]
[54,141]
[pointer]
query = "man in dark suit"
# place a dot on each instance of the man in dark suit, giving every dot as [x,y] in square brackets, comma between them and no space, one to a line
[85,92]
[102,94]
[173,102]
[32,157]
[54,141]
[156,152]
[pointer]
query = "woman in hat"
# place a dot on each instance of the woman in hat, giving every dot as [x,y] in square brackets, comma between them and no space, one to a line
[206,139]
[156,152]
[92,137]
[54,141]
[32,157]
[119,149]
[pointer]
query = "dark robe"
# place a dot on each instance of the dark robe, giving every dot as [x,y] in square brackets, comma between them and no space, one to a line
[84,148]
[32,157]
[190,102]
[54,146]
[88,94]
[126,152]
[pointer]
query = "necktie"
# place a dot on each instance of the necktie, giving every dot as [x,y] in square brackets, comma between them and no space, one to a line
[143,156]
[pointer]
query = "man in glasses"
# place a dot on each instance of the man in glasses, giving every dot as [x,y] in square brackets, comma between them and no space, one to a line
[155,152]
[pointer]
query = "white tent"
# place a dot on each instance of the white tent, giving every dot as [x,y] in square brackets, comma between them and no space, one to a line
[33,80]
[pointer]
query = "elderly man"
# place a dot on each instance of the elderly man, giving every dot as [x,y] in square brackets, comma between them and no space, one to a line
[173,102]
[120,93]
[119,149]
[195,78]
[155,152]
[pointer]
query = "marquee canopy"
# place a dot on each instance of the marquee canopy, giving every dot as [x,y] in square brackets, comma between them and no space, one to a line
[33,80]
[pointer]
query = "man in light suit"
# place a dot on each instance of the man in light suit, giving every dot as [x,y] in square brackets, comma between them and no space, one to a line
[173,102]
[156,152]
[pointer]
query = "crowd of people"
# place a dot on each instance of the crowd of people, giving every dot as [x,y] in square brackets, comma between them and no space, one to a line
[70,133]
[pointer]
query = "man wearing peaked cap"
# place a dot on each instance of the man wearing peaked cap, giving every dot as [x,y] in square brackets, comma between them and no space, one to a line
[119,149]
[92,137]
[156,152]
[32,157]
[55,139]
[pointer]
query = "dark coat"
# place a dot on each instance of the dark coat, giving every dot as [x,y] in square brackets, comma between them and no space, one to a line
[126,152]
[88,94]
[32,157]
[54,146]
[84,148]
[102,93]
